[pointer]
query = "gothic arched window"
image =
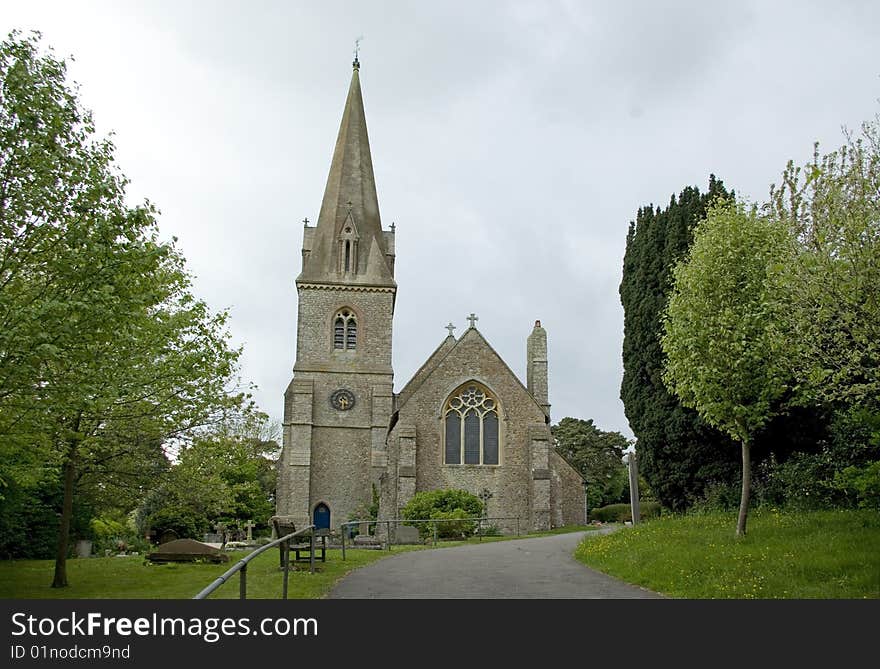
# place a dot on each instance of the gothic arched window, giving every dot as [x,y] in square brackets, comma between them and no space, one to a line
[345,331]
[470,418]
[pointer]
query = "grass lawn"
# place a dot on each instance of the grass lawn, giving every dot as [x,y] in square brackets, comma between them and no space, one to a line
[821,554]
[131,578]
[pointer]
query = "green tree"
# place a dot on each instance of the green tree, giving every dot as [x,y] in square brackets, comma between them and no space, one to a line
[680,455]
[226,473]
[104,351]
[832,318]
[720,340]
[597,455]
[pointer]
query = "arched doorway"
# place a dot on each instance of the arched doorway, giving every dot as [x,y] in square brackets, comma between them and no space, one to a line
[321,517]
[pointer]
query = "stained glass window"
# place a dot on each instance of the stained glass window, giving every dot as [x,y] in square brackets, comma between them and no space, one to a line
[471,438]
[453,438]
[490,438]
[471,427]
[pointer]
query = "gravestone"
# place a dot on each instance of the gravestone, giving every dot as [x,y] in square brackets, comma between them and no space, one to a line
[167,535]
[186,550]
[282,526]
[366,541]
[249,525]
[406,534]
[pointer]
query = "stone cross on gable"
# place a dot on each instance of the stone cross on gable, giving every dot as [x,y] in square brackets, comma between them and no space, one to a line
[306,221]
[473,318]
[249,525]
[450,327]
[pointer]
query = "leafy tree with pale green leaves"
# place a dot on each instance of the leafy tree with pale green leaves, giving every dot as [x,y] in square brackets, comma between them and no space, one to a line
[104,351]
[832,318]
[720,339]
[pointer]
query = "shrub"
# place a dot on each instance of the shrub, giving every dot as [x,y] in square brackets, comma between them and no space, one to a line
[454,527]
[804,482]
[718,496]
[443,504]
[181,521]
[619,513]
[863,483]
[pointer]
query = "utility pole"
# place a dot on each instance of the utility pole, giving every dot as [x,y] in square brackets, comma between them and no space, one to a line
[631,462]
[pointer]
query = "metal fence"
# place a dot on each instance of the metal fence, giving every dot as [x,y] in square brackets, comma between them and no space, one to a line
[436,521]
[241,565]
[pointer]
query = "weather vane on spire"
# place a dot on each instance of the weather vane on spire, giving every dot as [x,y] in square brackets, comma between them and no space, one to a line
[357,48]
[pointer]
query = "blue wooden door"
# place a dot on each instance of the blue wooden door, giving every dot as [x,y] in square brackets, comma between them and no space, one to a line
[321,517]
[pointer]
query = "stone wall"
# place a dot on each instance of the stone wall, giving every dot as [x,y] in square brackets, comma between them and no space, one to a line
[567,491]
[374,309]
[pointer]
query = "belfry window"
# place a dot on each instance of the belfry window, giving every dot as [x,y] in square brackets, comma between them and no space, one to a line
[471,427]
[345,331]
[348,246]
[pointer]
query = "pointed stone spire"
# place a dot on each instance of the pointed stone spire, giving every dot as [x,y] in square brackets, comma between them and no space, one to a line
[350,195]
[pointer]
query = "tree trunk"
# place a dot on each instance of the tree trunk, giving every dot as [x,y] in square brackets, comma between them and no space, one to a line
[746,490]
[60,579]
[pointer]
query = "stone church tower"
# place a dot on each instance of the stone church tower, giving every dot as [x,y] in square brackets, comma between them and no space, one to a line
[338,405]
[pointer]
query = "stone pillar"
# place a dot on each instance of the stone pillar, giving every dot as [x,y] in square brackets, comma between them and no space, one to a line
[539,455]
[293,480]
[536,366]
[406,465]
[381,415]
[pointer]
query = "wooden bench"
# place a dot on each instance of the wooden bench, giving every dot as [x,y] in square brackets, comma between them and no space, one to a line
[303,552]
[283,525]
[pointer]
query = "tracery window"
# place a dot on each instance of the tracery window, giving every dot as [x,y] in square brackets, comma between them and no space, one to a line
[471,427]
[345,331]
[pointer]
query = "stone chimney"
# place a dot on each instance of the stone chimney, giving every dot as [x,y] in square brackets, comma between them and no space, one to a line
[536,366]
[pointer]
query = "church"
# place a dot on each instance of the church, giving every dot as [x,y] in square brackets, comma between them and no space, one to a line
[464,420]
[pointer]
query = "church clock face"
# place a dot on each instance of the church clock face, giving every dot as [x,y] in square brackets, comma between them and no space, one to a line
[342,399]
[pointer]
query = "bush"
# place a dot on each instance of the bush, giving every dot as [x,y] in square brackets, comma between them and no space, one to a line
[453,528]
[180,521]
[804,482]
[719,496]
[443,504]
[863,483]
[112,532]
[620,513]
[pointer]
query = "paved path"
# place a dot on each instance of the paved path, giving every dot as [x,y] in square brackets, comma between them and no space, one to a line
[539,568]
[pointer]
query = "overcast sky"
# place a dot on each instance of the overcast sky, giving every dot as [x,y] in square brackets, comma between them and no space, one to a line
[512,143]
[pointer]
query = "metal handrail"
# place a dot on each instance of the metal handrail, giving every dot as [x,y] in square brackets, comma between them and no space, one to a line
[424,520]
[241,565]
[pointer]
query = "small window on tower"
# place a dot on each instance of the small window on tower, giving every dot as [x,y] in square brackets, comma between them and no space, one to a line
[351,334]
[339,333]
[345,331]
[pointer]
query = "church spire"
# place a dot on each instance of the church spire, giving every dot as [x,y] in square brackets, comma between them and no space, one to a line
[350,209]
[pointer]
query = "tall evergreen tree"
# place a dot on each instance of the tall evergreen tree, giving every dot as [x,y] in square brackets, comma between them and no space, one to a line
[679,454]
